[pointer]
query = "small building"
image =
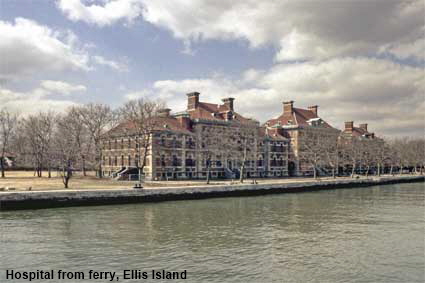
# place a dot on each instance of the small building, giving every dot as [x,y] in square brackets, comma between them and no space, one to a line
[9,160]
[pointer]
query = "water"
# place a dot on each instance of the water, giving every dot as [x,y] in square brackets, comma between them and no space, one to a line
[373,234]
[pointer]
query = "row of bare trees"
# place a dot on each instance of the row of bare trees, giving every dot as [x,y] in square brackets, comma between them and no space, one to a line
[73,140]
[330,154]
[49,140]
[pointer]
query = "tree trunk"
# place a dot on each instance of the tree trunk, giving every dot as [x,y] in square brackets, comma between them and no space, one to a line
[391,170]
[353,170]
[314,172]
[49,171]
[140,174]
[337,167]
[208,174]
[367,171]
[2,167]
[84,166]
[99,170]
[379,169]
[241,177]
[333,173]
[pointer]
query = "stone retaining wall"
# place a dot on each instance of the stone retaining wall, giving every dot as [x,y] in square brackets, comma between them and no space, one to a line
[63,198]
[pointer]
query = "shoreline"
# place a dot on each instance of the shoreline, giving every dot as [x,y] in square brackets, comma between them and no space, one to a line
[18,200]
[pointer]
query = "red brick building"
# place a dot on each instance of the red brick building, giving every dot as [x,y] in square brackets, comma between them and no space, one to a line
[297,124]
[204,139]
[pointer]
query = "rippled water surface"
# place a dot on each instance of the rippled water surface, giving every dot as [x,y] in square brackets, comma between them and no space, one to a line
[371,234]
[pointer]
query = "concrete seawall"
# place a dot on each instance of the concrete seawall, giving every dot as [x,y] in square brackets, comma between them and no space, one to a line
[64,198]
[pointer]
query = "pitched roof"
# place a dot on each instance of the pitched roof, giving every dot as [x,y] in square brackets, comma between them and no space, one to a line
[358,132]
[162,124]
[299,117]
[210,111]
[272,134]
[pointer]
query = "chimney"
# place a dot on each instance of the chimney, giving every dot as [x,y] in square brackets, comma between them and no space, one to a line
[288,107]
[184,121]
[363,126]
[164,112]
[228,102]
[192,100]
[349,126]
[313,109]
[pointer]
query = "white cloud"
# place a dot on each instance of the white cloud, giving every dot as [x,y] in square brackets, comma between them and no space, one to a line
[121,67]
[27,47]
[388,96]
[137,94]
[109,12]
[415,49]
[61,87]
[31,102]
[41,98]
[302,29]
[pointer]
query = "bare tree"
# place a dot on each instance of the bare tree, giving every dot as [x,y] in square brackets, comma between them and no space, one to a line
[8,125]
[368,155]
[246,136]
[415,154]
[314,146]
[66,143]
[142,118]
[81,134]
[213,143]
[332,154]
[352,151]
[98,119]
[380,152]
[38,130]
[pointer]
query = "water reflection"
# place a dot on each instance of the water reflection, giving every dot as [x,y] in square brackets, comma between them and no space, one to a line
[370,234]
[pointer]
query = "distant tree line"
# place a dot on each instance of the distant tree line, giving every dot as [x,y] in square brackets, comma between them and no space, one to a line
[348,155]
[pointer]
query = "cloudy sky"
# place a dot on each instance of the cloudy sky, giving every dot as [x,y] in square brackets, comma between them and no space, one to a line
[358,60]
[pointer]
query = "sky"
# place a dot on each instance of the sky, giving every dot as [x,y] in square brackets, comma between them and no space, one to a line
[359,60]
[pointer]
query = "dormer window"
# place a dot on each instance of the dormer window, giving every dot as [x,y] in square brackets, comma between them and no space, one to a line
[315,122]
[229,115]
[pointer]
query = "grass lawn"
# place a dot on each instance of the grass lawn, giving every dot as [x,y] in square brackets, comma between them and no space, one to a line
[22,180]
